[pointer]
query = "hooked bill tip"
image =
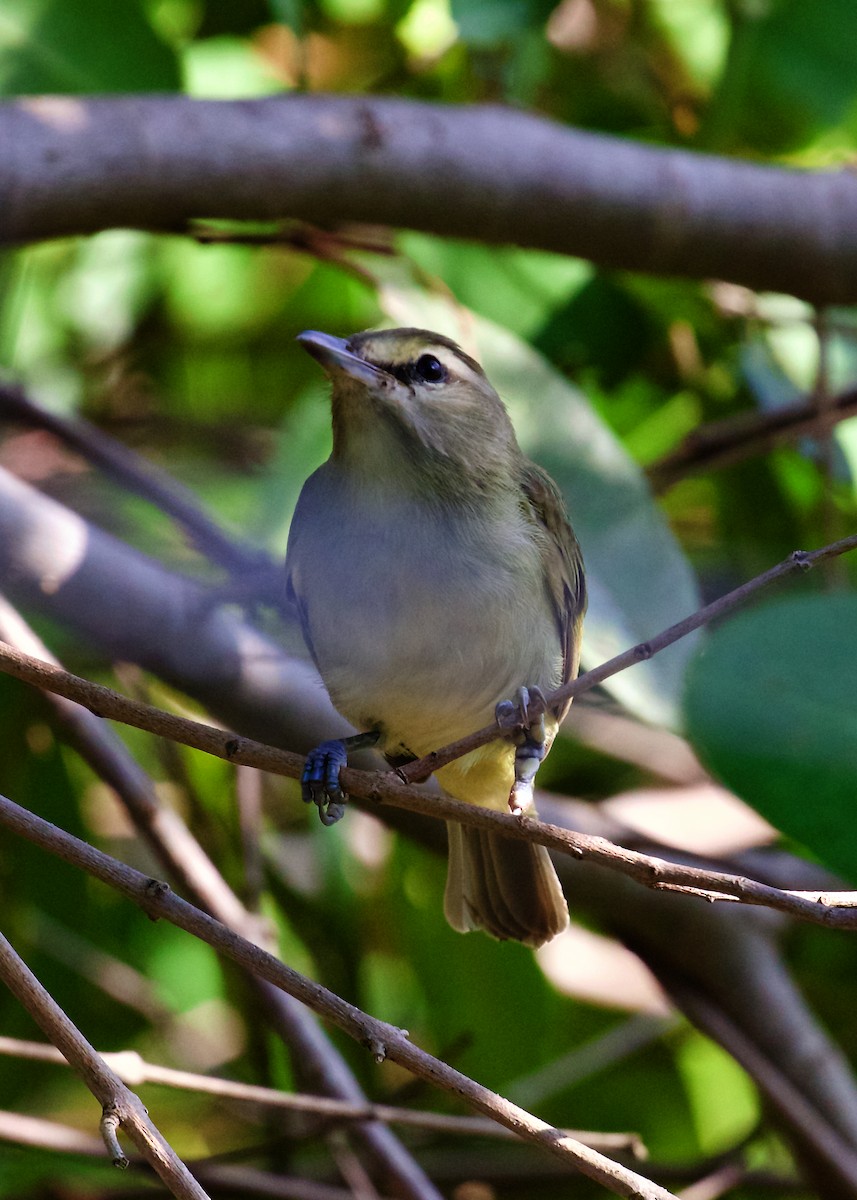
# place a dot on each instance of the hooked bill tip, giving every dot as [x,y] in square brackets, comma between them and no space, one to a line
[321,345]
[337,359]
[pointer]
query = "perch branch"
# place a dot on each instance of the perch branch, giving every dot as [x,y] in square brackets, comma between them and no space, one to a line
[319,1062]
[798,560]
[826,908]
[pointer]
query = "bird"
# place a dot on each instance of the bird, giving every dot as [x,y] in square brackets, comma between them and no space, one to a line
[439,586]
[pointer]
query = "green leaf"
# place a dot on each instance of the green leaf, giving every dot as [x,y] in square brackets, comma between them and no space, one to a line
[638,578]
[519,289]
[85,46]
[791,72]
[699,31]
[489,22]
[771,706]
[722,1100]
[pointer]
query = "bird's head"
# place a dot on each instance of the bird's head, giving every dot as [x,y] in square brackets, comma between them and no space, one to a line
[408,401]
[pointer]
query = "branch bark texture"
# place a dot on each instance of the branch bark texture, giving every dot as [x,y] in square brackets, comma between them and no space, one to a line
[120,1106]
[78,165]
[384,1041]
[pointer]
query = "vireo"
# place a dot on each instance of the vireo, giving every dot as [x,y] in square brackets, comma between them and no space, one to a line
[436,575]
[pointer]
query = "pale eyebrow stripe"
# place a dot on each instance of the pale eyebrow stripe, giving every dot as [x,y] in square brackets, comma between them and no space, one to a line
[454,363]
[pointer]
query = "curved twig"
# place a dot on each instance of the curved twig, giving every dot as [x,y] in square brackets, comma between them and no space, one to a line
[833,909]
[119,1104]
[175,847]
[149,481]
[382,1040]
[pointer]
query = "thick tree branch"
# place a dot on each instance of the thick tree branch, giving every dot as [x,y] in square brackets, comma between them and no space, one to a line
[77,165]
[137,610]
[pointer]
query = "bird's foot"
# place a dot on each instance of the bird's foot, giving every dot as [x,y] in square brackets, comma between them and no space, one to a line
[320,778]
[524,719]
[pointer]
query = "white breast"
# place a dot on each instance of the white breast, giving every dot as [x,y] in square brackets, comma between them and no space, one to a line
[420,621]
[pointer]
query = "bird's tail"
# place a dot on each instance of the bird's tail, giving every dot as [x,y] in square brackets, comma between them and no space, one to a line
[504,886]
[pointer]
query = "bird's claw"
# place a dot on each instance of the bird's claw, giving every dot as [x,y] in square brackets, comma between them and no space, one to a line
[524,716]
[320,780]
[524,719]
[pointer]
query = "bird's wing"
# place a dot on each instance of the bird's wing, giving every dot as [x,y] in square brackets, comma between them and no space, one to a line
[563,565]
[293,599]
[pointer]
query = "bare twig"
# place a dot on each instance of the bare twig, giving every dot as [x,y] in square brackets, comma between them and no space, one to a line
[134,1070]
[119,1105]
[75,164]
[733,439]
[146,480]
[48,1135]
[799,560]
[834,909]
[315,1056]
[831,909]
[382,1040]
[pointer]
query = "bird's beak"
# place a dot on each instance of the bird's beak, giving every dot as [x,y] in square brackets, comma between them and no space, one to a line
[337,359]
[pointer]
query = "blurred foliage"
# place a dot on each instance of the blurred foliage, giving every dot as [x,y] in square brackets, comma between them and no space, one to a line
[186,352]
[789,731]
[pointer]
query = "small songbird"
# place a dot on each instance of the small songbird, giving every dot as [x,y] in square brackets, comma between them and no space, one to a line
[436,576]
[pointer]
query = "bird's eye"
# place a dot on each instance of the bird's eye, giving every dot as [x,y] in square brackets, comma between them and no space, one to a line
[428,369]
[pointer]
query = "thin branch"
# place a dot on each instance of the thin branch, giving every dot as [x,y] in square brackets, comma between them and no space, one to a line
[798,561]
[145,479]
[314,1055]
[119,1105]
[384,788]
[48,1135]
[74,164]
[733,439]
[135,1071]
[383,1041]
[826,908]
